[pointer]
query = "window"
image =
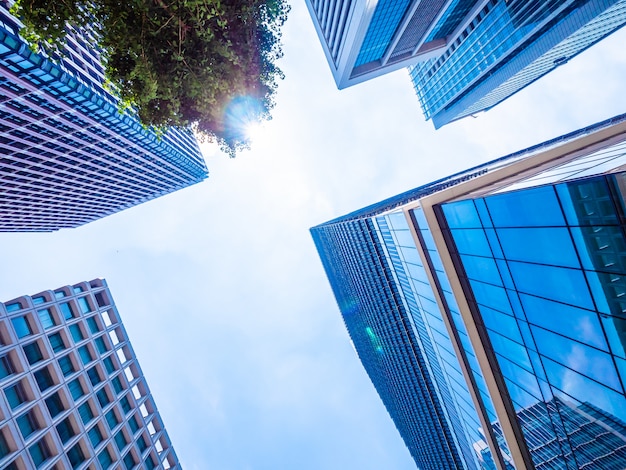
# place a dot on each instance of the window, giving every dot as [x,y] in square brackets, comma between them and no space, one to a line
[76,456]
[65,430]
[101,345]
[134,425]
[66,365]
[117,384]
[100,299]
[39,300]
[120,441]
[16,395]
[46,318]
[6,366]
[141,443]
[112,420]
[103,398]
[85,354]
[95,436]
[77,333]
[129,461]
[93,325]
[104,458]
[27,423]
[33,353]
[125,404]
[76,389]
[85,412]
[149,463]
[14,307]
[78,289]
[94,376]
[59,294]
[108,364]
[84,305]
[54,404]
[22,327]
[56,341]
[39,452]
[67,310]
[44,379]
[4,446]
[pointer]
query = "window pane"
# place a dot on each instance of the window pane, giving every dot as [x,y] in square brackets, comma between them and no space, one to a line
[54,404]
[76,389]
[84,305]
[134,426]
[85,354]
[108,364]
[112,420]
[120,441]
[33,353]
[101,345]
[67,366]
[39,453]
[141,443]
[103,398]
[66,310]
[77,334]
[27,424]
[125,404]
[22,327]
[94,376]
[44,379]
[65,430]
[6,367]
[105,459]
[45,316]
[75,456]
[117,384]
[85,412]
[15,395]
[56,341]
[95,436]
[129,461]
[93,325]
[14,307]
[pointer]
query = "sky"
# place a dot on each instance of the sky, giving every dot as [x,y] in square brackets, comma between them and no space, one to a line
[220,288]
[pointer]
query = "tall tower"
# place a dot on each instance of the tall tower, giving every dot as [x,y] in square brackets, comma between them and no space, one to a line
[465,56]
[67,155]
[498,292]
[73,393]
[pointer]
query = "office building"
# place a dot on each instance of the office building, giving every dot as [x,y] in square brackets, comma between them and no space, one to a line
[72,393]
[465,56]
[67,155]
[488,307]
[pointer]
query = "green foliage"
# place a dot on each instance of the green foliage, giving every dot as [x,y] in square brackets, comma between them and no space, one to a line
[206,63]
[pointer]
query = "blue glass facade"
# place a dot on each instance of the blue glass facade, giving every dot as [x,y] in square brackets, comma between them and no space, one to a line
[510,300]
[68,155]
[507,46]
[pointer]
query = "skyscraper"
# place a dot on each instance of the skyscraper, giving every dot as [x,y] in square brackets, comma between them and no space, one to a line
[487,307]
[73,394]
[68,156]
[466,56]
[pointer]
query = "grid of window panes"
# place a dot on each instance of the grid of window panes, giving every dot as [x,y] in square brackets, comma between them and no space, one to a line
[501,33]
[68,155]
[72,395]
[332,18]
[381,331]
[545,267]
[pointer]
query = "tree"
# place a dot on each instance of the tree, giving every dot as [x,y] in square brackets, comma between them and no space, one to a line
[210,64]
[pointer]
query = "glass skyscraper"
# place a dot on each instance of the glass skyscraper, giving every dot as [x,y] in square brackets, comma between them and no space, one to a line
[68,156]
[72,394]
[465,56]
[488,308]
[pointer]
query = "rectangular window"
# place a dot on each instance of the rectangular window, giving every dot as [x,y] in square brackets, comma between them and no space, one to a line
[67,311]
[94,376]
[149,463]
[6,366]
[85,412]
[112,420]
[108,364]
[125,404]
[104,458]
[27,423]
[76,456]
[33,353]
[56,341]
[134,425]
[16,395]
[141,443]
[14,307]
[44,379]
[84,305]
[103,398]
[95,436]
[4,446]
[129,461]
[54,404]
[76,389]
[93,325]
[46,318]
[22,327]
[120,441]
[66,365]
[85,354]
[39,452]
[77,333]
[101,345]
[117,384]
[65,430]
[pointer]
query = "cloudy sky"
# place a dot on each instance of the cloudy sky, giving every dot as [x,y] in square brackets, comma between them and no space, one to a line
[219,285]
